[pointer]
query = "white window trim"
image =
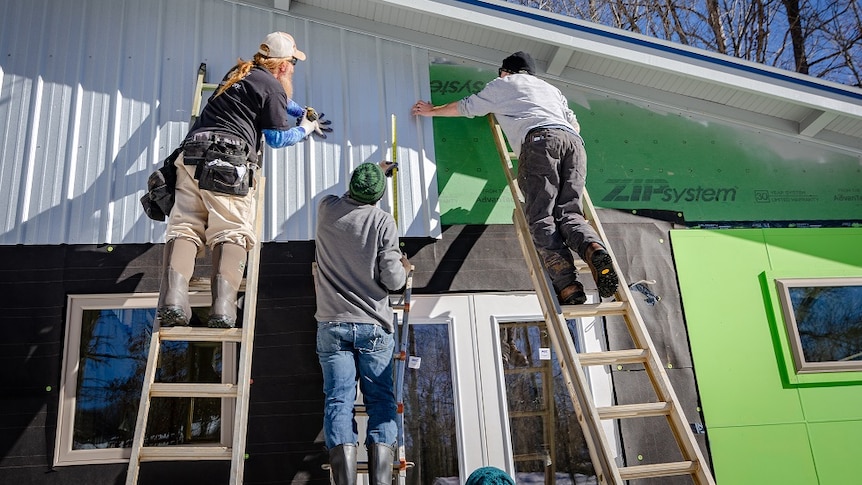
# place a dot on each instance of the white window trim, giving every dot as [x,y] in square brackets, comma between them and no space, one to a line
[64,455]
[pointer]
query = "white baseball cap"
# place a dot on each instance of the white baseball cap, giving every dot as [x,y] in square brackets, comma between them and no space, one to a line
[280,44]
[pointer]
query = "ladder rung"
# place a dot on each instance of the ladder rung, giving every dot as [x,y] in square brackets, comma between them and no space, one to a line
[362,466]
[209,86]
[204,285]
[527,414]
[531,457]
[613,357]
[643,410]
[193,389]
[594,309]
[201,334]
[658,470]
[185,453]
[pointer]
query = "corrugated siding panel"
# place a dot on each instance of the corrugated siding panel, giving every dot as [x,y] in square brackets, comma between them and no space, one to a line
[96,93]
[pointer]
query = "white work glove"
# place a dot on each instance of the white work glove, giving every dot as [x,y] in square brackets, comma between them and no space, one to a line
[309,126]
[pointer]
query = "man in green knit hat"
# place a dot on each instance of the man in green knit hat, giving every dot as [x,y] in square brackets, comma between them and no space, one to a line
[358,264]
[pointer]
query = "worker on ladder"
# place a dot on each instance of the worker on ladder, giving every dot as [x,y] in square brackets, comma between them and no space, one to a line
[216,167]
[358,263]
[544,132]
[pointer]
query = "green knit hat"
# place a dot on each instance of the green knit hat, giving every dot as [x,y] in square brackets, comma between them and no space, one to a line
[367,183]
[489,475]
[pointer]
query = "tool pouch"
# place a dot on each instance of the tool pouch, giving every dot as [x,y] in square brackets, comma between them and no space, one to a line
[161,187]
[222,164]
[224,177]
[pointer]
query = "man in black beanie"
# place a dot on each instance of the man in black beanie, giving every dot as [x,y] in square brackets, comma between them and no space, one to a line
[358,264]
[552,166]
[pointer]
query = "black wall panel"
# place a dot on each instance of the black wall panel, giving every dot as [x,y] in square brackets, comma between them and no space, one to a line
[286,400]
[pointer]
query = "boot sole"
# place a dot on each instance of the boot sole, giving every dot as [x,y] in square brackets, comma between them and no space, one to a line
[603,272]
[220,323]
[172,317]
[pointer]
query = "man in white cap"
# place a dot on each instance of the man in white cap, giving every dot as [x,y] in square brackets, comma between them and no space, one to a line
[216,166]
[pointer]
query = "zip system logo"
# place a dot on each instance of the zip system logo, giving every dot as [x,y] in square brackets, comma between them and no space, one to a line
[650,190]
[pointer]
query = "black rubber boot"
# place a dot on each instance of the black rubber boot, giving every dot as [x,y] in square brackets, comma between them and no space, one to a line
[228,267]
[342,464]
[380,460]
[177,267]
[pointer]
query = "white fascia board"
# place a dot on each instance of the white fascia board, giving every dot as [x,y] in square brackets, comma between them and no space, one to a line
[623,49]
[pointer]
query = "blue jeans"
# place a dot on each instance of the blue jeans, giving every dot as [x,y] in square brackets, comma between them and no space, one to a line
[349,352]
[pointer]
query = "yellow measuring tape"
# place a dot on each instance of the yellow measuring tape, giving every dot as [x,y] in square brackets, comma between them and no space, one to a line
[394,173]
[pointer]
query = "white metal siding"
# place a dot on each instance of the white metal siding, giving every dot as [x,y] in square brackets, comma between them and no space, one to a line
[96,93]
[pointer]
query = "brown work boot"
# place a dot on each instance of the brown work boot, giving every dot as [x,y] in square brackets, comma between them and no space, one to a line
[602,267]
[572,294]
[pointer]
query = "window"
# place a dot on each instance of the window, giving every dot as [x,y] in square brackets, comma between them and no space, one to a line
[547,440]
[430,425]
[823,317]
[107,343]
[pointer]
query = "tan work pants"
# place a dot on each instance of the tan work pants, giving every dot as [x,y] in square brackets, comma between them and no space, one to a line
[207,217]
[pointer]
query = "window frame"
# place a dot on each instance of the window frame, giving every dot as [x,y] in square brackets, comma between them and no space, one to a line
[64,455]
[800,364]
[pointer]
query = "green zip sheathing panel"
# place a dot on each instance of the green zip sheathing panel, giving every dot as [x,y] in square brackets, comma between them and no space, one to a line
[766,424]
[643,157]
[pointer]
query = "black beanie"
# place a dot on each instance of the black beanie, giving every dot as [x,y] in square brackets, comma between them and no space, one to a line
[519,61]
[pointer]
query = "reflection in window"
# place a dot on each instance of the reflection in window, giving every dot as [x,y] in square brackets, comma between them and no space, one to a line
[429,406]
[824,321]
[114,348]
[547,441]
[106,358]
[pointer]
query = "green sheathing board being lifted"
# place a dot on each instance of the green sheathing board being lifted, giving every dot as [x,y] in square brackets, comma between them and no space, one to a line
[765,423]
[645,158]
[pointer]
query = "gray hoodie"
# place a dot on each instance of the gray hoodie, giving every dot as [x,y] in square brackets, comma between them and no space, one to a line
[358,262]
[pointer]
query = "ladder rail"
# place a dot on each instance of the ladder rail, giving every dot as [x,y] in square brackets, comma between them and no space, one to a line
[401,369]
[143,412]
[572,371]
[654,367]
[240,428]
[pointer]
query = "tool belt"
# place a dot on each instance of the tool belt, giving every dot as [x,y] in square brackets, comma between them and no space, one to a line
[222,163]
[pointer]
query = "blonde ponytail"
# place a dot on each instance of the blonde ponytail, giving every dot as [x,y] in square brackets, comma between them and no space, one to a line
[242,69]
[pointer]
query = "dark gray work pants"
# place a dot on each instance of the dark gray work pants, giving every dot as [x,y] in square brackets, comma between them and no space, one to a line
[552,170]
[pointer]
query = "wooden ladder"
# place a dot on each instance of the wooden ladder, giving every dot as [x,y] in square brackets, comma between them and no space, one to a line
[238,391]
[573,363]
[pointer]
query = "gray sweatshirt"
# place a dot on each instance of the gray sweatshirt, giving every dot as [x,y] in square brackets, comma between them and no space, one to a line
[358,262]
[520,102]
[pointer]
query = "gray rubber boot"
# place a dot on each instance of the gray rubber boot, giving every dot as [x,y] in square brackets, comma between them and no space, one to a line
[342,464]
[228,267]
[380,460]
[177,267]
